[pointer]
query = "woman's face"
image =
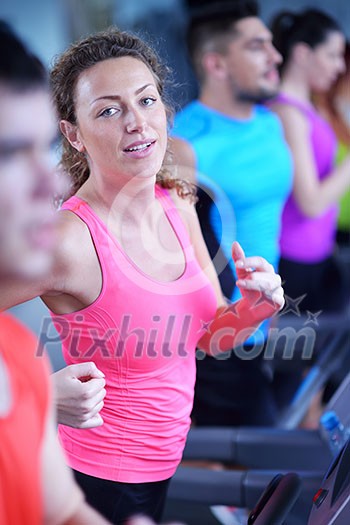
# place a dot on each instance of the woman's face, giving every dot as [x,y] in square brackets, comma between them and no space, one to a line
[121,119]
[326,61]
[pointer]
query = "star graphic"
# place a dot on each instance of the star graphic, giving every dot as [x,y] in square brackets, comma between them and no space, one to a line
[205,326]
[266,298]
[312,318]
[229,308]
[232,309]
[292,305]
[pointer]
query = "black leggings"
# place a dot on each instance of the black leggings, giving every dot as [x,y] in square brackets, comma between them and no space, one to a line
[119,501]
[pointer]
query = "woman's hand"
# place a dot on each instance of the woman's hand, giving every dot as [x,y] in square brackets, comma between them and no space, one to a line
[258,283]
[79,391]
[262,297]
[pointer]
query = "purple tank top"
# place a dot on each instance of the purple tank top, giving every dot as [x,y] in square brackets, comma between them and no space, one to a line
[310,239]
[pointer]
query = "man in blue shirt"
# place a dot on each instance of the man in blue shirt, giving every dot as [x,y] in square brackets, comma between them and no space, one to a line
[233,148]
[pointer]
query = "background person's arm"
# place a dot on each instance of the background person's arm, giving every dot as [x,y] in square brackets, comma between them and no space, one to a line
[312,195]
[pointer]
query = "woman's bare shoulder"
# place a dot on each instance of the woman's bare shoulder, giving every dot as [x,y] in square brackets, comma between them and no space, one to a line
[76,274]
[70,237]
[291,116]
[70,229]
[183,203]
[186,208]
[73,242]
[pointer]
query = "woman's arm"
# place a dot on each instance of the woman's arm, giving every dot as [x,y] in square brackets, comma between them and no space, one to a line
[260,286]
[78,389]
[18,289]
[262,297]
[312,195]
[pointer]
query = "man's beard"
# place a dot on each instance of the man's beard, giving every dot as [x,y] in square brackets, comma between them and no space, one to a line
[258,97]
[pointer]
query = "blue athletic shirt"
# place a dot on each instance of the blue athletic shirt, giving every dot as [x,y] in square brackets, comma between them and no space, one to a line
[246,166]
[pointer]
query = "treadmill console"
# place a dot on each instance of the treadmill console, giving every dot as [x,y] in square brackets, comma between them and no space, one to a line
[331,503]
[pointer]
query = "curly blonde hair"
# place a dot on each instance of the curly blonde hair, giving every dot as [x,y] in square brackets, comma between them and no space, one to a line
[84,54]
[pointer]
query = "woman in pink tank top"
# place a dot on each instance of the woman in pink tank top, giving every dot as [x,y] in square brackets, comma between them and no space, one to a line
[134,289]
[312,46]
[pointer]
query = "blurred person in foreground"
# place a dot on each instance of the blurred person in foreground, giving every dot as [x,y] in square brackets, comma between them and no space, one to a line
[36,486]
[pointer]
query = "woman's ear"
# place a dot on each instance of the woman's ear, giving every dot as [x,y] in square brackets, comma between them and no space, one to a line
[302,53]
[71,132]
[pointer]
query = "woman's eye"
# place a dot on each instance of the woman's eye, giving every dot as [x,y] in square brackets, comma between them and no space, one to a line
[148,101]
[109,112]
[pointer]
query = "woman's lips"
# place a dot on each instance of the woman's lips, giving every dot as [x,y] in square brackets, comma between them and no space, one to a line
[140,149]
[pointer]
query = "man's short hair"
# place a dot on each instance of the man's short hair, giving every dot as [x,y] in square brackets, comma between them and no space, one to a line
[212,24]
[19,68]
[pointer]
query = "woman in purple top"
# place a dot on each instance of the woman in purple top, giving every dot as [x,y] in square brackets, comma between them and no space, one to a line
[312,46]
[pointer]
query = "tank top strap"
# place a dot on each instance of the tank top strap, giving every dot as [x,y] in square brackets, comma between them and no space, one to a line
[173,215]
[72,204]
[101,236]
[97,229]
[82,209]
[282,98]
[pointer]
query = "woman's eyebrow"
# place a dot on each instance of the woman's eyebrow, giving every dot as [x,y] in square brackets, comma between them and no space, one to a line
[117,97]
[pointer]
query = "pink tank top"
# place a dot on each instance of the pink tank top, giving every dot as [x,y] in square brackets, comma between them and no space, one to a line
[142,334]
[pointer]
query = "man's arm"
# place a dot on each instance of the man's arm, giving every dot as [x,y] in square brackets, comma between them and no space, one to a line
[63,500]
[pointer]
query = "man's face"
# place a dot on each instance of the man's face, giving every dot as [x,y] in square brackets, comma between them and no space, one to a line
[27,182]
[251,62]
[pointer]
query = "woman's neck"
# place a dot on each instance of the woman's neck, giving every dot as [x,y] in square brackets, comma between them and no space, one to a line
[296,87]
[129,199]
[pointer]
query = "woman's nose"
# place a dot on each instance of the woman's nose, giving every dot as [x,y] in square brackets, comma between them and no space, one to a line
[135,121]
